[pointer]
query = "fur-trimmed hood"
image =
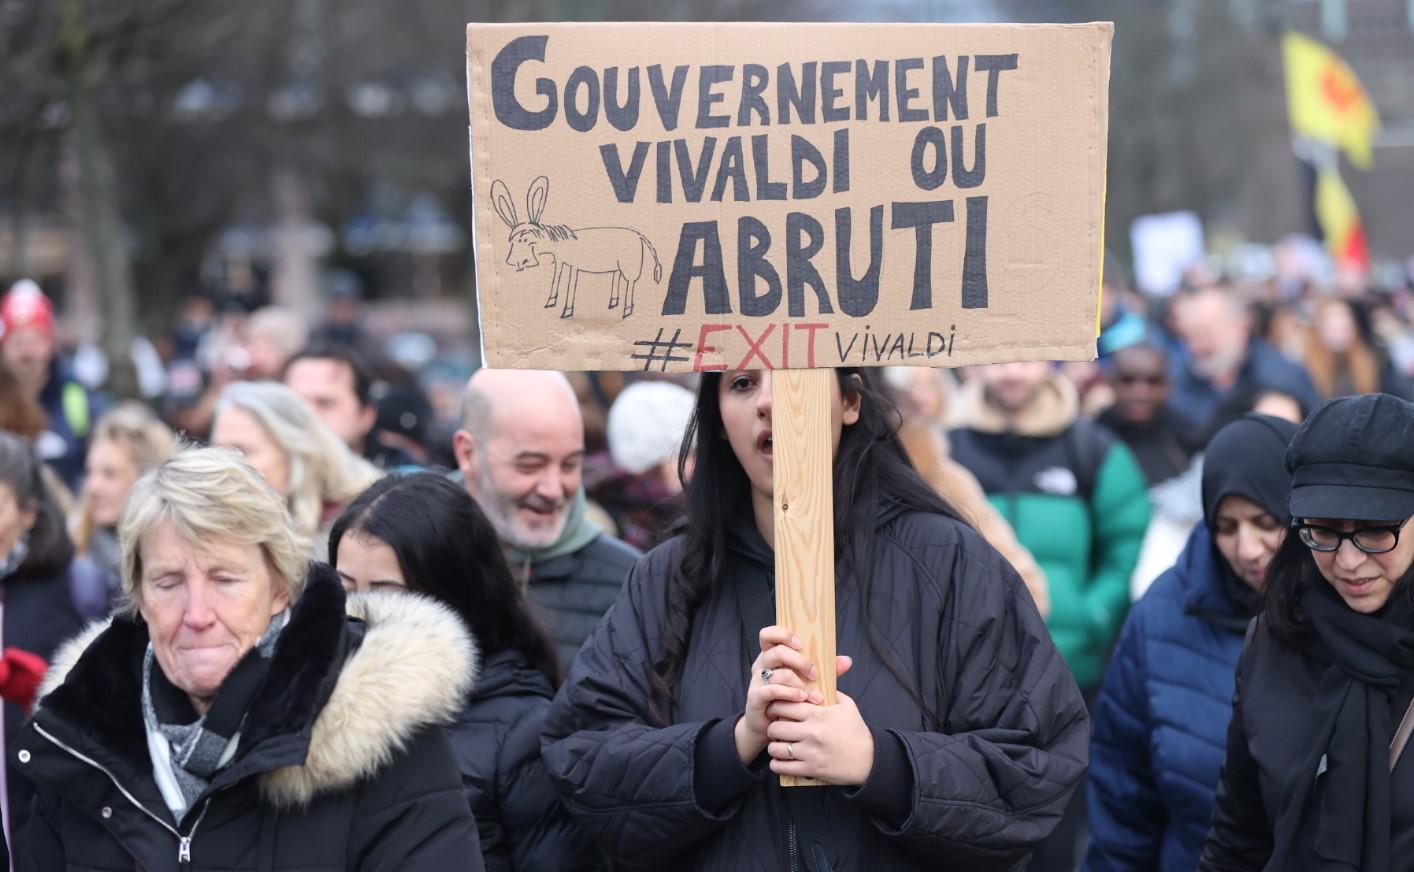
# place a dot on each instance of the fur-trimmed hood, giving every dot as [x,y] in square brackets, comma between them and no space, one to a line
[1055,407]
[350,683]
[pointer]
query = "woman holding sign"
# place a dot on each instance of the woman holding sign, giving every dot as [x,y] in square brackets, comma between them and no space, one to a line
[959,733]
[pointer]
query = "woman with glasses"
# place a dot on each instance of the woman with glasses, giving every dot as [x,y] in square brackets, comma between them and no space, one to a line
[1315,775]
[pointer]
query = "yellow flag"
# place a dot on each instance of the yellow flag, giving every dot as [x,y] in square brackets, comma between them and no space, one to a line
[1340,220]
[1326,100]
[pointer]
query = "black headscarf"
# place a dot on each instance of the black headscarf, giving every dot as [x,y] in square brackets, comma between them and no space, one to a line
[1247,458]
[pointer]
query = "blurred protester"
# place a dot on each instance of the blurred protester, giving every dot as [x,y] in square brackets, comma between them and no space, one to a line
[233,715]
[520,451]
[343,313]
[923,400]
[126,443]
[637,481]
[1317,775]
[270,337]
[1162,714]
[39,613]
[195,319]
[301,458]
[20,412]
[1076,499]
[1395,334]
[27,346]
[1162,442]
[687,699]
[1224,356]
[405,422]
[423,533]
[1341,360]
[337,384]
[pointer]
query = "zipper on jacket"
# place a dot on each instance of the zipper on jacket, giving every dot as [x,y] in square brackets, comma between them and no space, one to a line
[792,848]
[183,842]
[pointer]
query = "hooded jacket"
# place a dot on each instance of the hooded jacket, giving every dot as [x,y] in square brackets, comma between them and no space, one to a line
[1076,499]
[340,766]
[572,582]
[1161,719]
[970,779]
[522,822]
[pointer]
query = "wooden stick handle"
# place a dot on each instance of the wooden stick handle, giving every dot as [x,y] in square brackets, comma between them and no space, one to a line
[803,478]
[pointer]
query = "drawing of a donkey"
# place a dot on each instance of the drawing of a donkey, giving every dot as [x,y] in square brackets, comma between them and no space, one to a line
[618,251]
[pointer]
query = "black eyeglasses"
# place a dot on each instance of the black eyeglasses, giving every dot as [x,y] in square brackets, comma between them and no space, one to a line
[1371,540]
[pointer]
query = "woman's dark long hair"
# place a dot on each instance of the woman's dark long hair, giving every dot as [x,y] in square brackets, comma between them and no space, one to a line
[870,470]
[50,549]
[448,550]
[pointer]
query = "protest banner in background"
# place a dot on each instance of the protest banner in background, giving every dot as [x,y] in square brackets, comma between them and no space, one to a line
[699,197]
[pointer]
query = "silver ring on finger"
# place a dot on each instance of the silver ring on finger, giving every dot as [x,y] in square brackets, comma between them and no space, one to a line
[790,749]
[766,673]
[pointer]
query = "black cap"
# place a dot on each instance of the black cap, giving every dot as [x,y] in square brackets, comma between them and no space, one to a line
[1354,459]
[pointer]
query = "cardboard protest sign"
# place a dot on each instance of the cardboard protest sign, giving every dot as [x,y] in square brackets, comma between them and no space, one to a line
[678,197]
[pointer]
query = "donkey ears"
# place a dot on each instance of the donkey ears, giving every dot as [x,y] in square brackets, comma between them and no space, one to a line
[501,199]
[535,198]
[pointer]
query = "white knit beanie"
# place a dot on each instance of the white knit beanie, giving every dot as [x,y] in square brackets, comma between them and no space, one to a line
[646,424]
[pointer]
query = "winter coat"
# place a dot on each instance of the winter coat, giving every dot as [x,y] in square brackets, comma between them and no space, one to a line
[1196,399]
[1161,719]
[1163,448]
[522,822]
[71,410]
[972,780]
[1076,499]
[1276,689]
[39,615]
[573,591]
[341,764]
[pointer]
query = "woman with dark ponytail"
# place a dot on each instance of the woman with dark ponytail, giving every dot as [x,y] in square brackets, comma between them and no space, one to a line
[424,534]
[959,733]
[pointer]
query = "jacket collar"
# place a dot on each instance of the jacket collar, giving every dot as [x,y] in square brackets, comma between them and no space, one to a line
[1055,408]
[349,684]
[1200,575]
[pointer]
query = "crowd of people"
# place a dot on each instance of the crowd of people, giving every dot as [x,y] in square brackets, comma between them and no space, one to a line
[305,608]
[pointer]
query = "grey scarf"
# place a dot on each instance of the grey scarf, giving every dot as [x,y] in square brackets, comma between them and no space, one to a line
[202,746]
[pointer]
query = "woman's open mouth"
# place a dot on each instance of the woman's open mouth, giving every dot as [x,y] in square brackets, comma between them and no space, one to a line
[764,444]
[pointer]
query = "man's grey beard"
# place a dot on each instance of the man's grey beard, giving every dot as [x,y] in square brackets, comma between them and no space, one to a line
[502,513]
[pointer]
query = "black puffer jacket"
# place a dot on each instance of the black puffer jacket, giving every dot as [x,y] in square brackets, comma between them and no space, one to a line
[574,591]
[1276,689]
[523,824]
[340,766]
[972,784]
[39,616]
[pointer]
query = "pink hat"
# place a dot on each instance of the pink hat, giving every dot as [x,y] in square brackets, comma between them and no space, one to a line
[25,306]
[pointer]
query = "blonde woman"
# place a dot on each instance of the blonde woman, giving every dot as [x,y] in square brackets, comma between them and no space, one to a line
[233,715]
[126,442]
[300,457]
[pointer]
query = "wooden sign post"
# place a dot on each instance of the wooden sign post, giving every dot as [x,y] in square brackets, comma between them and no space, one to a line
[694,198]
[803,476]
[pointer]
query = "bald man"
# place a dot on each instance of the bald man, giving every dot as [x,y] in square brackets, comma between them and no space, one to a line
[520,453]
